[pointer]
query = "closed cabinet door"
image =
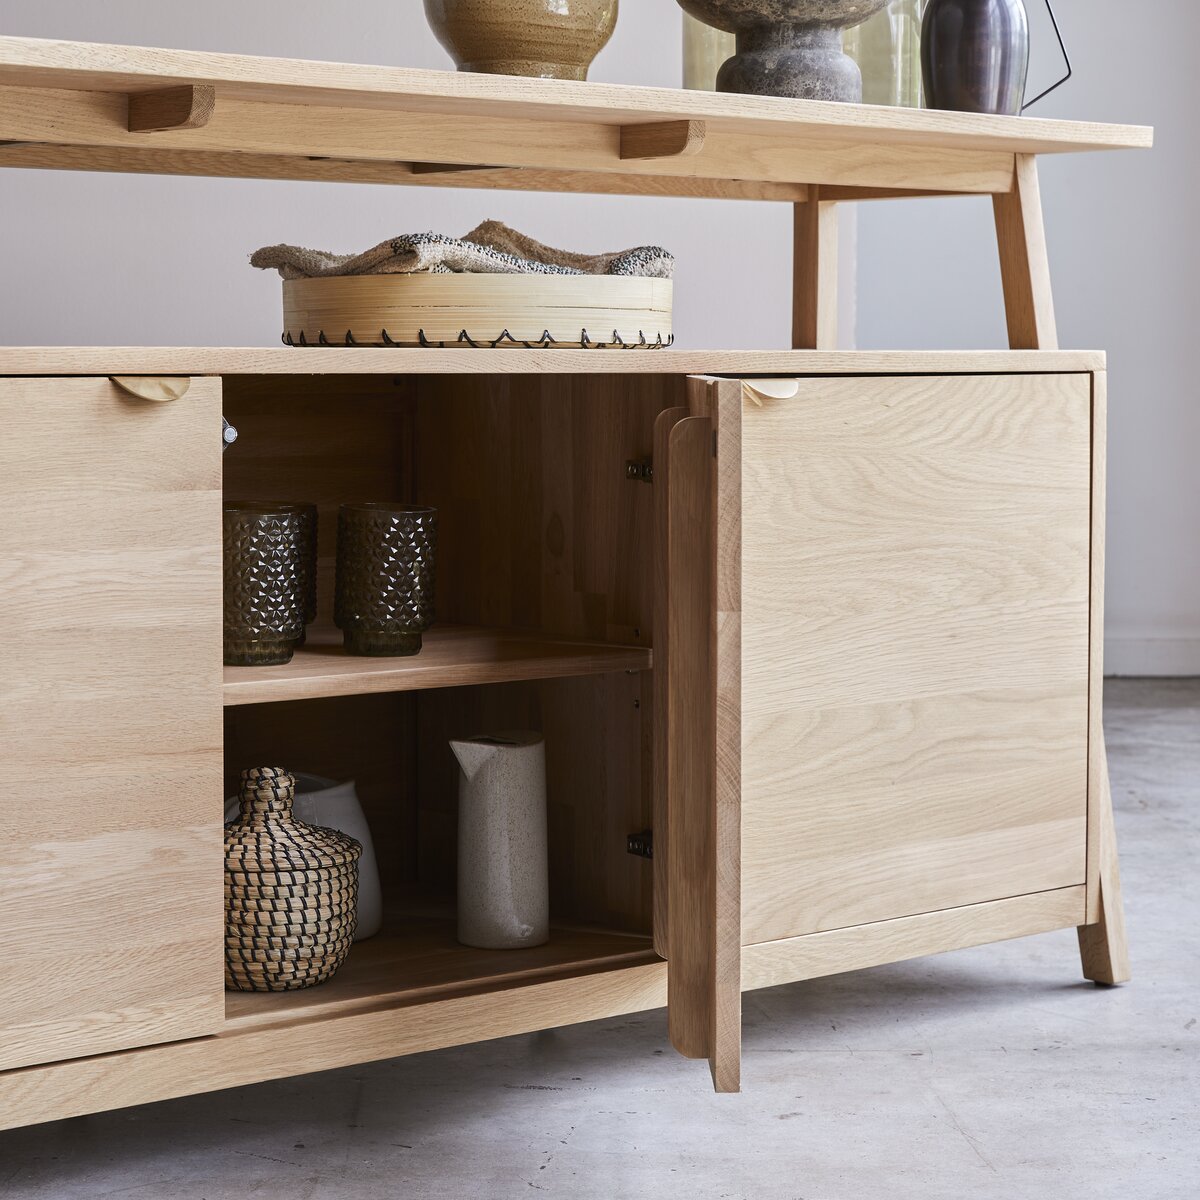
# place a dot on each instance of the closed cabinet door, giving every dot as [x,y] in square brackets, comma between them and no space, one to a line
[911,586]
[110,718]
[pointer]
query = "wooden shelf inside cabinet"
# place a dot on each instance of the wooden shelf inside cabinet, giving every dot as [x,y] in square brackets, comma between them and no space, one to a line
[452,656]
[417,960]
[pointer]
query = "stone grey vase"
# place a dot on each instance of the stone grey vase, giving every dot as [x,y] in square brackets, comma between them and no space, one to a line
[975,55]
[503,869]
[788,48]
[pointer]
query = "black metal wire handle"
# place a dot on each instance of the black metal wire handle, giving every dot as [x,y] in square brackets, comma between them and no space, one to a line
[1066,58]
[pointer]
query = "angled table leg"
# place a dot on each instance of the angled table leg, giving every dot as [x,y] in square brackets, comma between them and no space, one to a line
[1024,265]
[1102,946]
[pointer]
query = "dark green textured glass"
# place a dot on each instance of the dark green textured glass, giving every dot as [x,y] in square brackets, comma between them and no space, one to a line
[383,600]
[266,578]
[310,567]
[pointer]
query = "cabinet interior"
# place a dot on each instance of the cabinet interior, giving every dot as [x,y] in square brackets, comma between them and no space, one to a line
[544,621]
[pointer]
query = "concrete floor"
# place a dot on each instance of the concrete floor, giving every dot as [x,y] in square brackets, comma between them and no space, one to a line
[987,1073]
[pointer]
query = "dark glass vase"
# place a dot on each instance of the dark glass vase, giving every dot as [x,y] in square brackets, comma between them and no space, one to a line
[975,55]
[266,575]
[384,593]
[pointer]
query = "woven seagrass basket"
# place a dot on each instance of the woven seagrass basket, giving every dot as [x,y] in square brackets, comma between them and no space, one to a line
[291,891]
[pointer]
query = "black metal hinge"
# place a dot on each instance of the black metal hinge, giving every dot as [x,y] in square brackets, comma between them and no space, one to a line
[641,844]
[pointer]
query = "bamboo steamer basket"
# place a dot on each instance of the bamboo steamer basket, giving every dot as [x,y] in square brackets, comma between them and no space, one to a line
[462,309]
[291,891]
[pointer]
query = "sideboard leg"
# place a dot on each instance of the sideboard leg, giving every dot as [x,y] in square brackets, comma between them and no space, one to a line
[814,273]
[1024,265]
[1102,946]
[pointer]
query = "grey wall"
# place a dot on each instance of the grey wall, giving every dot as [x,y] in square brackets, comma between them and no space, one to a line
[1125,256]
[163,261]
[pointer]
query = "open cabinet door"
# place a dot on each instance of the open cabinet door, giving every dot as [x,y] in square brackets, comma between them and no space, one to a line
[698,804]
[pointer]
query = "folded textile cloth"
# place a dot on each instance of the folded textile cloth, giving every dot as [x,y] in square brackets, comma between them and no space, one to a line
[491,248]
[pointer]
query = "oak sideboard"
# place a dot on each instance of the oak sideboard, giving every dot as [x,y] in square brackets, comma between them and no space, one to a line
[814,636]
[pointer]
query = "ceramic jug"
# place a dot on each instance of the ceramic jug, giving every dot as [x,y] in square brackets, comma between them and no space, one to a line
[503,875]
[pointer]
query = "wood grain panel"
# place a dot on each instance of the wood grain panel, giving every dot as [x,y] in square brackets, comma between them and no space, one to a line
[92,67]
[298,364]
[110,630]
[543,530]
[1103,949]
[451,656]
[690,723]
[666,421]
[1024,262]
[1098,786]
[136,160]
[815,273]
[768,153]
[769,964]
[416,959]
[915,566]
[253,1055]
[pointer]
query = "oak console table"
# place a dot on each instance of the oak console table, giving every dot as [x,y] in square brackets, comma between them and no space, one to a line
[823,628]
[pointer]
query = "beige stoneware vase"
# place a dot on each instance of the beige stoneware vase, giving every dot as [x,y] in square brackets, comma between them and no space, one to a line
[503,868]
[548,39]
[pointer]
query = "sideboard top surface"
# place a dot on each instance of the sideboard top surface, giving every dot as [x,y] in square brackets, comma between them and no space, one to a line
[64,105]
[314,360]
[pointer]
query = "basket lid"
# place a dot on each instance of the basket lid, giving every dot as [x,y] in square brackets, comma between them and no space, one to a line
[266,837]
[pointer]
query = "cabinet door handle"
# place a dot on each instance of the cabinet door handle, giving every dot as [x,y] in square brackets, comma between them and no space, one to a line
[159,388]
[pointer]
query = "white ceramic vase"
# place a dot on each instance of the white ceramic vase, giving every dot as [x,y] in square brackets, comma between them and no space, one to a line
[325,802]
[503,874]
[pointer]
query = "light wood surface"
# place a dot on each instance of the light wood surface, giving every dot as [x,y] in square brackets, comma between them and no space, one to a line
[440,307]
[418,959]
[1097,758]
[68,101]
[93,67]
[666,421]
[1024,263]
[662,139]
[150,160]
[159,389]
[451,656]
[771,153]
[814,273]
[1103,948]
[690,726]
[110,634]
[282,360]
[769,964]
[703,1000]
[915,632]
[256,1054]
[185,107]
[719,401]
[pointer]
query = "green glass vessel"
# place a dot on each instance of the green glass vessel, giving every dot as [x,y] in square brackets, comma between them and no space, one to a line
[887,49]
[384,592]
[266,581]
